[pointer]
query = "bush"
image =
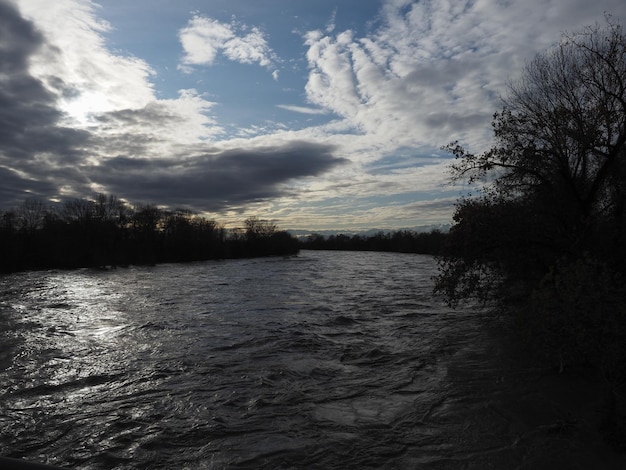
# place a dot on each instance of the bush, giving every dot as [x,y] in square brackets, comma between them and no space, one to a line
[577,317]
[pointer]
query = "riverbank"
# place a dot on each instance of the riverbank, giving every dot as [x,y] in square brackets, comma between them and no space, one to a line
[513,412]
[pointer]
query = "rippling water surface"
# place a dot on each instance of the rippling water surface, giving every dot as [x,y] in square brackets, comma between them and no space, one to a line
[325,360]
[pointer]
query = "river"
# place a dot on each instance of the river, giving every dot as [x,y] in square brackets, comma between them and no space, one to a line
[325,360]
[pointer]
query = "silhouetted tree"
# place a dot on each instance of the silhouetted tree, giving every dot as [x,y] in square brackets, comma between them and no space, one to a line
[259,236]
[30,215]
[110,209]
[103,231]
[11,244]
[79,211]
[559,161]
[314,241]
[187,237]
[256,227]
[402,241]
[550,222]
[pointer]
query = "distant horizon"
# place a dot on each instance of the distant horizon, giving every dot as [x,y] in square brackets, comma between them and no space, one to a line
[369,231]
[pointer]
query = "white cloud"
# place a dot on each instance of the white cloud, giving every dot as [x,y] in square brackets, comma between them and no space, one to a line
[301,109]
[429,74]
[204,38]
[107,93]
[432,71]
[331,25]
[76,64]
[159,129]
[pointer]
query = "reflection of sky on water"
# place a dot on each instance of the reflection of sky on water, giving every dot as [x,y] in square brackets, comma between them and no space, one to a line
[79,311]
[128,359]
[75,332]
[327,360]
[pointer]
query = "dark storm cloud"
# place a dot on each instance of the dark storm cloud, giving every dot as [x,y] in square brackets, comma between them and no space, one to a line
[134,131]
[28,115]
[131,117]
[197,176]
[12,184]
[217,181]
[39,156]
[24,102]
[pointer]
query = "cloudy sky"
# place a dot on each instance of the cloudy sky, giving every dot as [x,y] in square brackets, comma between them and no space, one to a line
[318,115]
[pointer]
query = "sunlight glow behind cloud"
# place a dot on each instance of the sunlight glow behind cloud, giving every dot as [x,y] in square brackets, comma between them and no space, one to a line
[75,64]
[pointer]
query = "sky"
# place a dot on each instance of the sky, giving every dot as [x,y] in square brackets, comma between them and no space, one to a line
[324,115]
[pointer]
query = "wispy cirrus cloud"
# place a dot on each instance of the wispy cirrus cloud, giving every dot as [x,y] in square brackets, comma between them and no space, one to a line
[431,72]
[301,109]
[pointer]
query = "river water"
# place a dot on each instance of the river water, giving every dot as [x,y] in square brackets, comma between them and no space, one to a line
[325,360]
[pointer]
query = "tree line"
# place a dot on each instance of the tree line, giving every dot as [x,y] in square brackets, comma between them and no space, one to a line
[544,242]
[104,231]
[400,241]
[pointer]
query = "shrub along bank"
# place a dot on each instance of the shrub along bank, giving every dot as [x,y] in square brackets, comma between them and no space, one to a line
[106,232]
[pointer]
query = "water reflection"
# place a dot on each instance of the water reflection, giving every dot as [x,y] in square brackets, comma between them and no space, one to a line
[328,360]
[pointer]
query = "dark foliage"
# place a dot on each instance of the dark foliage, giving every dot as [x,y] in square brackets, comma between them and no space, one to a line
[402,241]
[105,232]
[546,241]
